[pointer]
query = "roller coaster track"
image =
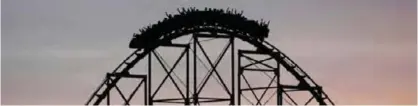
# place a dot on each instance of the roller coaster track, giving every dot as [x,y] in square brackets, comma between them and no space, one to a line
[214,21]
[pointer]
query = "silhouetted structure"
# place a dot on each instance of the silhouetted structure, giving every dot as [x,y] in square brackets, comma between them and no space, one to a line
[209,23]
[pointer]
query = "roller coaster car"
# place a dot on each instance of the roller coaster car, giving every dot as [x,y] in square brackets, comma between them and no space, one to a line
[264,50]
[142,41]
[259,32]
[135,42]
[139,41]
[260,35]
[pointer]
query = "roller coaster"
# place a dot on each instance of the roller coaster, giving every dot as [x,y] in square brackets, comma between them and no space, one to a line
[229,25]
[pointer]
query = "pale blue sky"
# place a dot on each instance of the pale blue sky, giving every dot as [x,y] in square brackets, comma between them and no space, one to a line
[361,51]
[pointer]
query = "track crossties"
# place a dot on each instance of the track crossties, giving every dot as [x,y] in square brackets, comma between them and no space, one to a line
[192,20]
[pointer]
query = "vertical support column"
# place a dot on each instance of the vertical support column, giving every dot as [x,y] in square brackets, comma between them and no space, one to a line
[187,102]
[232,70]
[320,92]
[108,93]
[279,88]
[195,99]
[239,77]
[150,98]
[145,90]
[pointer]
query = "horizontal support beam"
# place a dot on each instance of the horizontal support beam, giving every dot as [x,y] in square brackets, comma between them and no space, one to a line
[257,88]
[292,87]
[181,100]
[168,100]
[127,75]
[254,69]
[210,35]
[215,100]
[176,45]
[253,52]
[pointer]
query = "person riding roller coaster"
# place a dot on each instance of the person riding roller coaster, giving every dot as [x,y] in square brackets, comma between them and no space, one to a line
[191,19]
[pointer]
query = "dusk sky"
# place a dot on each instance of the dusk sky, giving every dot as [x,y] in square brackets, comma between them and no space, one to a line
[360,51]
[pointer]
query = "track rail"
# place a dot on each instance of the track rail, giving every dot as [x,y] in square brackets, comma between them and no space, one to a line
[191,21]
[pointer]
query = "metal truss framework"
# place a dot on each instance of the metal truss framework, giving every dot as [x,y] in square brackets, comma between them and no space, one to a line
[281,89]
[219,24]
[192,93]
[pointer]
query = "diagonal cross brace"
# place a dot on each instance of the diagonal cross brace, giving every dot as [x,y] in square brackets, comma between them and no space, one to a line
[258,62]
[169,73]
[214,68]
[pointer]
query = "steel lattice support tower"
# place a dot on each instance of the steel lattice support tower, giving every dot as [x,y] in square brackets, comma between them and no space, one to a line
[217,24]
